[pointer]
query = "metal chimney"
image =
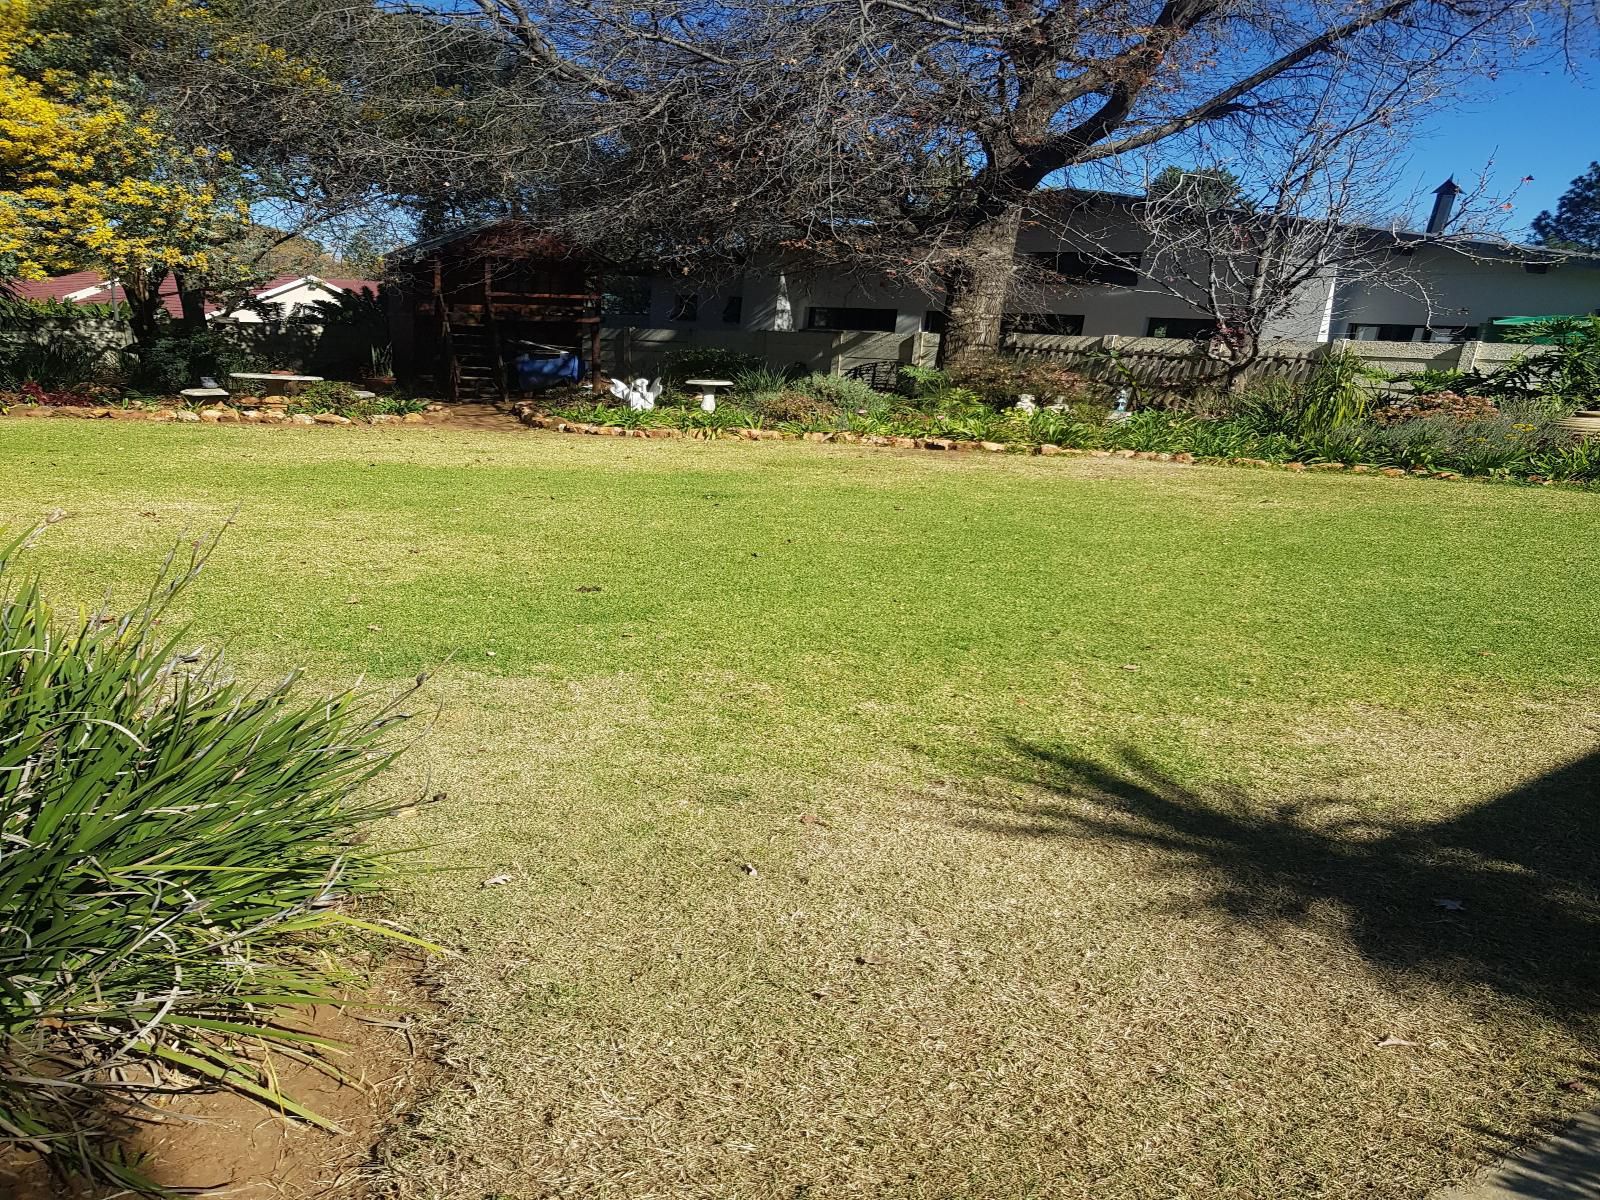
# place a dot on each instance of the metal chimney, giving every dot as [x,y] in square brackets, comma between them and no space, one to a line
[1444,202]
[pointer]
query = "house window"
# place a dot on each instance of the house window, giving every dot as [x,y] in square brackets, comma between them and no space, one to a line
[1063,323]
[1385,333]
[626,296]
[1191,328]
[1447,333]
[934,321]
[733,310]
[685,307]
[864,320]
[1110,269]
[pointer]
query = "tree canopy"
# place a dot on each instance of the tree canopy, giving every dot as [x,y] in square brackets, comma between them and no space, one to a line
[1575,225]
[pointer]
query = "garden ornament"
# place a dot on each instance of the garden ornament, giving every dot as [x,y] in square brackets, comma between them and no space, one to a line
[1026,404]
[639,395]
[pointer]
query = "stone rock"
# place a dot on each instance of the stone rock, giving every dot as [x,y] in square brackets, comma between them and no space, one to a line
[300,419]
[99,414]
[1125,453]
[382,419]
[271,416]
[993,447]
[183,414]
[938,444]
[1049,448]
[1294,466]
[903,443]
[611,431]
[327,418]
[1099,454]
[1447,475]
[816,435]
[1358,469]
[1393,472]
[1327,466]
[1184,457]
[250,417]
[161,414]
[1164,456]
[660,432]
[413,419]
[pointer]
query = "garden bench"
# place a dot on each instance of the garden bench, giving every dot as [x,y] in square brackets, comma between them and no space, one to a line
[203,393]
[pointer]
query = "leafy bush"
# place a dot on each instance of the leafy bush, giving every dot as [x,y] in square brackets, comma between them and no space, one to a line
[918,382]
[342,398]
[793,405]
[1567,371]
[708,362]
[173,844]
[171,364]
[840,391]
[1431,381]
[753,381]
[999,379]
[56,361]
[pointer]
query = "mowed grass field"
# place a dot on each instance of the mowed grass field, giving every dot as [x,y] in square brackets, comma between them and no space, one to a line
[896,824]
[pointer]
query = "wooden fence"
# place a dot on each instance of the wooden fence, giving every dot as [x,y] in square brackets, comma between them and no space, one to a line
[1170,364]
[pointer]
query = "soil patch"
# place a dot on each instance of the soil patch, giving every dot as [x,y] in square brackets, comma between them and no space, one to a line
[224,1144]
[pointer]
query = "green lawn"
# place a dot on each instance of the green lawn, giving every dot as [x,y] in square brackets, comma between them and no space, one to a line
[897,824]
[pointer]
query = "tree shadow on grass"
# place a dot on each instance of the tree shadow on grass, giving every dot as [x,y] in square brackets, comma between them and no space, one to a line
[1503,896]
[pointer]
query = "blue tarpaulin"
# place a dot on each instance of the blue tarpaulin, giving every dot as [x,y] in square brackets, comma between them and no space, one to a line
[536,372]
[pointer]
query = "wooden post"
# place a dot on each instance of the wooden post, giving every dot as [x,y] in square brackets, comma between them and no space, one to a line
[494,332]
[447,349]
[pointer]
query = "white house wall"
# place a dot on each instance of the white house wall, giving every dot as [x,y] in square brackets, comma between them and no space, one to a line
[1440,286]
[1464,291]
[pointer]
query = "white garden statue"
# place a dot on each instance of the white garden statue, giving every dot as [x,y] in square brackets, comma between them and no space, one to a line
[640,395]
[1026,404]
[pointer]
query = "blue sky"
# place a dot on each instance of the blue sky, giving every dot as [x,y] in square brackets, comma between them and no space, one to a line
[1537,122]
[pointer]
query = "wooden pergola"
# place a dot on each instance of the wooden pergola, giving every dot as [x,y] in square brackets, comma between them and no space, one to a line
[477,300]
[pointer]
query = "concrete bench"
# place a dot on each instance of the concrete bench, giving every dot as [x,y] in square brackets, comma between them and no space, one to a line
[203,394]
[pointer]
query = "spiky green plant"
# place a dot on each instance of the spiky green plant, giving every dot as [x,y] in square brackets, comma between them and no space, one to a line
[175,848]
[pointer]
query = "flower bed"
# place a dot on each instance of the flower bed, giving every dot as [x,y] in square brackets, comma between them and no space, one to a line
[1521,444]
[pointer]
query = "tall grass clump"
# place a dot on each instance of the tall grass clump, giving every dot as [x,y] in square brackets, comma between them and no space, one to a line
[175,849]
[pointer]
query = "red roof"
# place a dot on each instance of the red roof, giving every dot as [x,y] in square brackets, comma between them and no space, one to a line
[62,286]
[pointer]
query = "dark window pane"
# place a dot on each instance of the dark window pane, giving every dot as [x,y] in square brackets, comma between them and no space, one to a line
[1065,323]
[1386,333]
[685,307]
[1180,327]
[626,296]
[733,310]
[1109,269]
[866,320]
[933,322]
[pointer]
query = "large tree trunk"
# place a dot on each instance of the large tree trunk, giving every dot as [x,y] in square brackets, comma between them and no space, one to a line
[976,285]
[192,299]
[143,290]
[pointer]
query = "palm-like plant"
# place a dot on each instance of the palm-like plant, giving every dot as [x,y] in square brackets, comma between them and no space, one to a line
[171,845]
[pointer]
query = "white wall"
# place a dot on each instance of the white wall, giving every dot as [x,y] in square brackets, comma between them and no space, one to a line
[1441,286]
[1436,285]
[289,302]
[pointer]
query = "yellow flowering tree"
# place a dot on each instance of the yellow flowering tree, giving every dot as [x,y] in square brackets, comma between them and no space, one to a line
[90,178]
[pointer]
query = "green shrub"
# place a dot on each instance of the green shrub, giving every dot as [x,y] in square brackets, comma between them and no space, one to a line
[1567,371]
[918,382]
[999,379]
[840,391]
[171,364]
[754,381]
[708,362]
[333,396]
[176,850]
[792,405]
[58,361]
